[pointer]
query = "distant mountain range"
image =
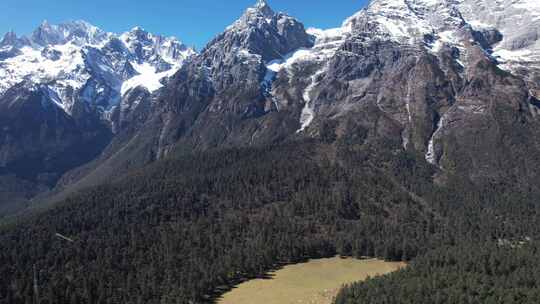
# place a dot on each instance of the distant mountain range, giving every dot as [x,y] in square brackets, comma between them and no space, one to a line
[456,82]
[77,62]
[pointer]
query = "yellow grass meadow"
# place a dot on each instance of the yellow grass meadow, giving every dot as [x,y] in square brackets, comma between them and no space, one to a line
[314,282]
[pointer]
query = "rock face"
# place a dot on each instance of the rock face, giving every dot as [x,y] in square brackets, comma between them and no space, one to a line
[417,72]
[426,74]
[219,98]
[432,77]
[437,74]
[39,142]
[519,24]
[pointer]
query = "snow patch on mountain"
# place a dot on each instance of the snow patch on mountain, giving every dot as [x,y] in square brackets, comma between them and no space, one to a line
[327,42]
[431,156]
[148,78]
[398,20]
[519,23]
[68,70]
[308,113]
[413,22]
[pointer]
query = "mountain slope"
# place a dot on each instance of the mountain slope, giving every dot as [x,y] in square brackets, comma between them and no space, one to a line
[185,229]
[180,229]
[416,74]
[60,92]
[217,99]
[518,22]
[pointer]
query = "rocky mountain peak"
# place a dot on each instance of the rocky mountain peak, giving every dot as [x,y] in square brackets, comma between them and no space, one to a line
[10,39]
[407,20]
[162,52]
[77,32]
[261,31]
[260,8]
[254,16]
[137,34]
[263,7]
[517,23]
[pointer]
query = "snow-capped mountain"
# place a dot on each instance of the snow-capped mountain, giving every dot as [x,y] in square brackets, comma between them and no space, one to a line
[453,82]
[507,31]
[510,28]
[518,22]
[259,36]
[77,62]
[410,63]
[66,89]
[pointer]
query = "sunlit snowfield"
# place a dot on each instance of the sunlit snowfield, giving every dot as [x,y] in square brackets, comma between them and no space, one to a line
[316,281]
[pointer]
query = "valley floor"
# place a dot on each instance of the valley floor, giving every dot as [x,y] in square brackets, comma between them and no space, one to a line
[317,281]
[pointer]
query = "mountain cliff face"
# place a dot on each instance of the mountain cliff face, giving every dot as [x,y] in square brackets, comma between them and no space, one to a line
[431,76]
[519,25]
[218,98]
[454,82]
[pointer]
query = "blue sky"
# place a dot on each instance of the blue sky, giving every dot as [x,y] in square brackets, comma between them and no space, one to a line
[193,21]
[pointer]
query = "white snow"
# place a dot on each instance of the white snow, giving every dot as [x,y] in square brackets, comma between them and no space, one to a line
[308,113]
[246,53]
[326,44]
[531,5]
[272,68]
[400,20]
[516,55]
[329,34]
[449,37]
[147,78]
[477,24]
[31,64]
[429,2]
[85,57]
[430,155]
[396,28]
[516,20]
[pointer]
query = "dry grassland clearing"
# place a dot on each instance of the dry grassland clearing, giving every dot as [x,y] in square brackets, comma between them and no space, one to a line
[314,282]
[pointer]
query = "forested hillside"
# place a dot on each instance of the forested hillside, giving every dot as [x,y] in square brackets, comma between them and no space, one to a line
[488,273]
[184,229]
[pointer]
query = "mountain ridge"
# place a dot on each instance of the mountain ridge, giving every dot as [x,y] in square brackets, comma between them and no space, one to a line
[415,73]
[401,135]
[83,54]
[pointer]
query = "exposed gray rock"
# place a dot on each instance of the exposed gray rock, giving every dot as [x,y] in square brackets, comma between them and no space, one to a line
[428,77]
[51,54]
[9,52]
